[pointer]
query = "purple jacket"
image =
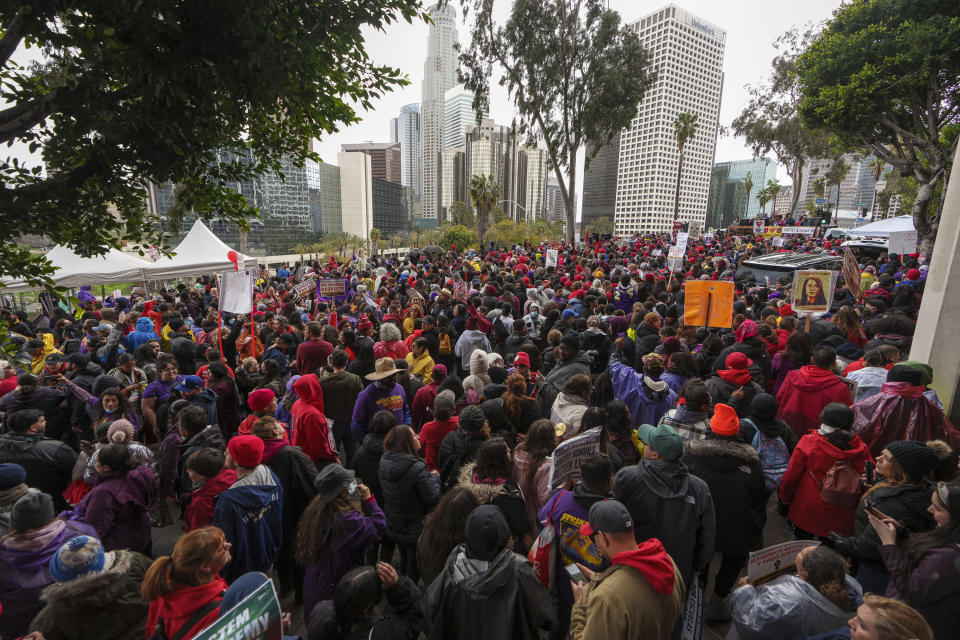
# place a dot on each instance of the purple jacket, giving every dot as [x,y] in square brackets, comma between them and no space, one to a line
[933,588]
[24,572]
[646,405]
[355,534]
[374,399]
[674,381]
[780,367]
[118,508]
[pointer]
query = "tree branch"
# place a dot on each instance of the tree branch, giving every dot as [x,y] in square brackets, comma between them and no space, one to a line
[20,118]
[14,34]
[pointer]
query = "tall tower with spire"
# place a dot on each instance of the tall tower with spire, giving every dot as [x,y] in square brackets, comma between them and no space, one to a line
[440,73]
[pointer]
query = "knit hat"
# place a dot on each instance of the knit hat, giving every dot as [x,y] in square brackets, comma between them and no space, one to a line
[913,274]
[786,310]
[11,475]
[32,511]
[763,407]
[77,557]
[916,458]
[498,375]
[572,341]
[521,359]
[925,369]
[364,323]
[472,419]
[725,421]
[121,426]
[486,533]
[260,399]
[246,451]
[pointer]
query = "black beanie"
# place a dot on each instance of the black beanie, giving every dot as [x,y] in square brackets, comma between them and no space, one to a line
[916,458]
[486,533]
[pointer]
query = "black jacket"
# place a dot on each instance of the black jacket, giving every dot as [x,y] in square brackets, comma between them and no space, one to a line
[558,376]
[907,504]
[596,344]
[644,343]
[296,472]
[759,370]
[411,492]
[721,390]
[404,623]
[184,350]
[732,472]
[504,601]
[669,503]
[48,463]
[367,465]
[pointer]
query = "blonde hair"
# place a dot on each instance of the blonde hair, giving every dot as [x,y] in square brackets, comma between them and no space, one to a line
[896,620]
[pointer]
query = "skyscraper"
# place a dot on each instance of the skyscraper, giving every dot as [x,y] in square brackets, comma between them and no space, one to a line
[687,54]
[439,74]
[356,193]
[555,210]
[384,158]
[532,169]
[856,189]
[458,114]
[405,129]
[600,183]
[727,206]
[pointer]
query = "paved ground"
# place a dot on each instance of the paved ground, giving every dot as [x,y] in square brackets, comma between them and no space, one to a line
[777,530]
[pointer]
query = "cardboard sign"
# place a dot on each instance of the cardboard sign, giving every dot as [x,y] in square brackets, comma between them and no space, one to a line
[708,303]
[758,226]
[236,291]
[902,243]
[768,563]
[812,291]
[256,617]
[570,453]
[331,287]
[778,241]
[552,257]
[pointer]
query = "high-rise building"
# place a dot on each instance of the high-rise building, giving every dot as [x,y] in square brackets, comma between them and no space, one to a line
[726,206]
[453,179]
[856,189]
[405,129]
[554,199]
[323,180]
[458,114]
[356,193]
[782,202]
[440,71]
[686,53]
[384,158]
[600,183]
[390,213]
[532,172]
[491,149]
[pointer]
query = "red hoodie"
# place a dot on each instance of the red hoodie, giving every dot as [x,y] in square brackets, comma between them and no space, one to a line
[310,429]
[177,607]
[652,560]
[200,512]
[736,376]
[805,392]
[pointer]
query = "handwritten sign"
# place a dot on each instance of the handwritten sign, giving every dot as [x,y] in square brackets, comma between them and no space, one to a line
[569,454]
[305,287]
[772,561]
[902,243]
[331,287]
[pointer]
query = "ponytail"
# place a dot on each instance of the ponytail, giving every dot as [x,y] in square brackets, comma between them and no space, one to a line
[156,581]
[187,566]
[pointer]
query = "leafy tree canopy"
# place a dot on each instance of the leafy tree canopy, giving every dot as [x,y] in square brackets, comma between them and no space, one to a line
[885,75]
[125,94]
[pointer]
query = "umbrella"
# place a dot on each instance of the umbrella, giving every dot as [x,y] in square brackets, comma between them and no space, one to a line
[432,249]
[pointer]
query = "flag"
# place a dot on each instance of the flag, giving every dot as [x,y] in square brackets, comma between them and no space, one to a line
[851,273]
[597,250]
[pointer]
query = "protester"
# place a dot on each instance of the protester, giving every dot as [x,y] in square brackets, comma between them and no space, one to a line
[48,464]
[443,530]
[806,391]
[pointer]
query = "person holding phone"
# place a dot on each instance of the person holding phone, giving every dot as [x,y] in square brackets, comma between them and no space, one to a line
[903,495]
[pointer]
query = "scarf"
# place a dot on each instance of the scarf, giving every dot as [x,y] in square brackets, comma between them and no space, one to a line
[686,416]
[11,495]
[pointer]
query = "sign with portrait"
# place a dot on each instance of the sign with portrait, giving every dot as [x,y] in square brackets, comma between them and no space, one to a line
[812,291]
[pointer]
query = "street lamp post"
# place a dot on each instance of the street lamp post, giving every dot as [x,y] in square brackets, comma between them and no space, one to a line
[522,208]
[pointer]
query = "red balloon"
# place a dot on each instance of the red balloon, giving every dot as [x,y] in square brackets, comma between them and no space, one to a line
[234,258]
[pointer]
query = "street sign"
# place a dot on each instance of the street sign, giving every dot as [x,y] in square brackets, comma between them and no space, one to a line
[820,201]
[860,205]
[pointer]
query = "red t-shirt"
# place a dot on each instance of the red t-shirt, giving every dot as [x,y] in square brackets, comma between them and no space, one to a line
[431,435]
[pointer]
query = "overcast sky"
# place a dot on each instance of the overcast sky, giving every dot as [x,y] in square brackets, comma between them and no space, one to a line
[752,27]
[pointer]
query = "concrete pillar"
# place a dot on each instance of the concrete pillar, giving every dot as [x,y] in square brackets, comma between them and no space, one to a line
[936,340]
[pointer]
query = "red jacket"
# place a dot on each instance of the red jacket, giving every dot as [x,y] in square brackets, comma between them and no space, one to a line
[805,392]
[395,350]
[310,429]
[814,454]
[431,435]
[177,607]
[200,512]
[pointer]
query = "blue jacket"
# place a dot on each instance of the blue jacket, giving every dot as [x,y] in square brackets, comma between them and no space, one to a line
[142,335]
[251,516]
[647,405]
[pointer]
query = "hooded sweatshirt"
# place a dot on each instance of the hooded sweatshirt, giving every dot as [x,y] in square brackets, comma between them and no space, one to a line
[200,512]
[310,428]
[142,335]
[805,392]
[640,596]
[177,607]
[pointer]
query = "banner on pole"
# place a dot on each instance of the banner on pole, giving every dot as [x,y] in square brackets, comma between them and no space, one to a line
[236,291]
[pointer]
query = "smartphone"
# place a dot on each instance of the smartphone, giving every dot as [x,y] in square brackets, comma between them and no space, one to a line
[870,470]
[575,574]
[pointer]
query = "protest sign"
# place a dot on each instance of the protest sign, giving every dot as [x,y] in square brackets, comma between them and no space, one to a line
[116,293]
[256,617]
[708,237]
[798,231]
[708,304]
[552,257]
[236,291]
[758,226]
[902,243]
[331,287]
[693,612]
[768,563]
[778,241]
[682,237]
[656,252]
[570,453]
[813,291]
[305,287]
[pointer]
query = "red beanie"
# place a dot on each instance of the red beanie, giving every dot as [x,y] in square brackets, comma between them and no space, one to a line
[260,399]
[246,451]
[724,421]
[786,310]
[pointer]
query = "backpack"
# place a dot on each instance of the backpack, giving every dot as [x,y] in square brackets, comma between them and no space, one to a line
[444,347]
[774,458]
[841,485]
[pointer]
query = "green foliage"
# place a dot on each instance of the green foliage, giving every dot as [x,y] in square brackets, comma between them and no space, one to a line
[882,75]
[768,194]
[460,213]
[170,90]
[575,74]
[601,225]
[484,193]
[457,235]
[771,121]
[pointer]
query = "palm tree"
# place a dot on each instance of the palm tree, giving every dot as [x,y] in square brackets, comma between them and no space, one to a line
[773,188]
[685,127]
[484,194]
[375,235]
[763,197]
[748,187]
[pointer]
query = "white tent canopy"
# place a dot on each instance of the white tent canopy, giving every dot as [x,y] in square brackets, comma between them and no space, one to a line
[73,270]
[883,228]
[201,252]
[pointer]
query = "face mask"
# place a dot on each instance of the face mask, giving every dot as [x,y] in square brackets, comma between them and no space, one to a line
[534,315]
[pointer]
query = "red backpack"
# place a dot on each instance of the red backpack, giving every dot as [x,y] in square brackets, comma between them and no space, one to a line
[841,486]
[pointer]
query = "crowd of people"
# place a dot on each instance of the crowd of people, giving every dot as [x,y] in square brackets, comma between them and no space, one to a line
[386,455]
